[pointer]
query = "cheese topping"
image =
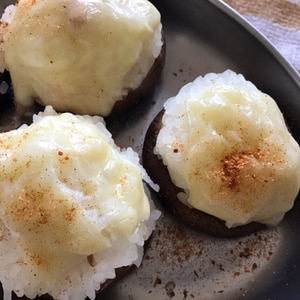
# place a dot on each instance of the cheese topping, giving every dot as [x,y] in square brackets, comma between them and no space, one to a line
[67,190]
[226,144]
[80,55]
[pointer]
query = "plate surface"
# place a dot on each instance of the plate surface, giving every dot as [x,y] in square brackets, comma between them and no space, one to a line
[202,37]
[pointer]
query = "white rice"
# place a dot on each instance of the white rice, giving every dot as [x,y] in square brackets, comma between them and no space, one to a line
[114,74]
[226,144]
[81,280]
[6,18]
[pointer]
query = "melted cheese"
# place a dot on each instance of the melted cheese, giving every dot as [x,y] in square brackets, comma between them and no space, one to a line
[80,55]
[67,190]
[226,144]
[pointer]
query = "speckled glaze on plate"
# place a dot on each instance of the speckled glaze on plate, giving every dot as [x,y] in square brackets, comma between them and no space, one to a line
[202,37]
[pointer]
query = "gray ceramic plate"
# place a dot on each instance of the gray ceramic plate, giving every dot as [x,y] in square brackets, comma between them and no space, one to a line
[207,36]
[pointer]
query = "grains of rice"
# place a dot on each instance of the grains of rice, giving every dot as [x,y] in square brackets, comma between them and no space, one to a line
[6,18]
[81,280]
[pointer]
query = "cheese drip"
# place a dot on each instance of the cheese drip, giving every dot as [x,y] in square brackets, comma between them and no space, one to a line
[79,56]
[226,144]
[68,192]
